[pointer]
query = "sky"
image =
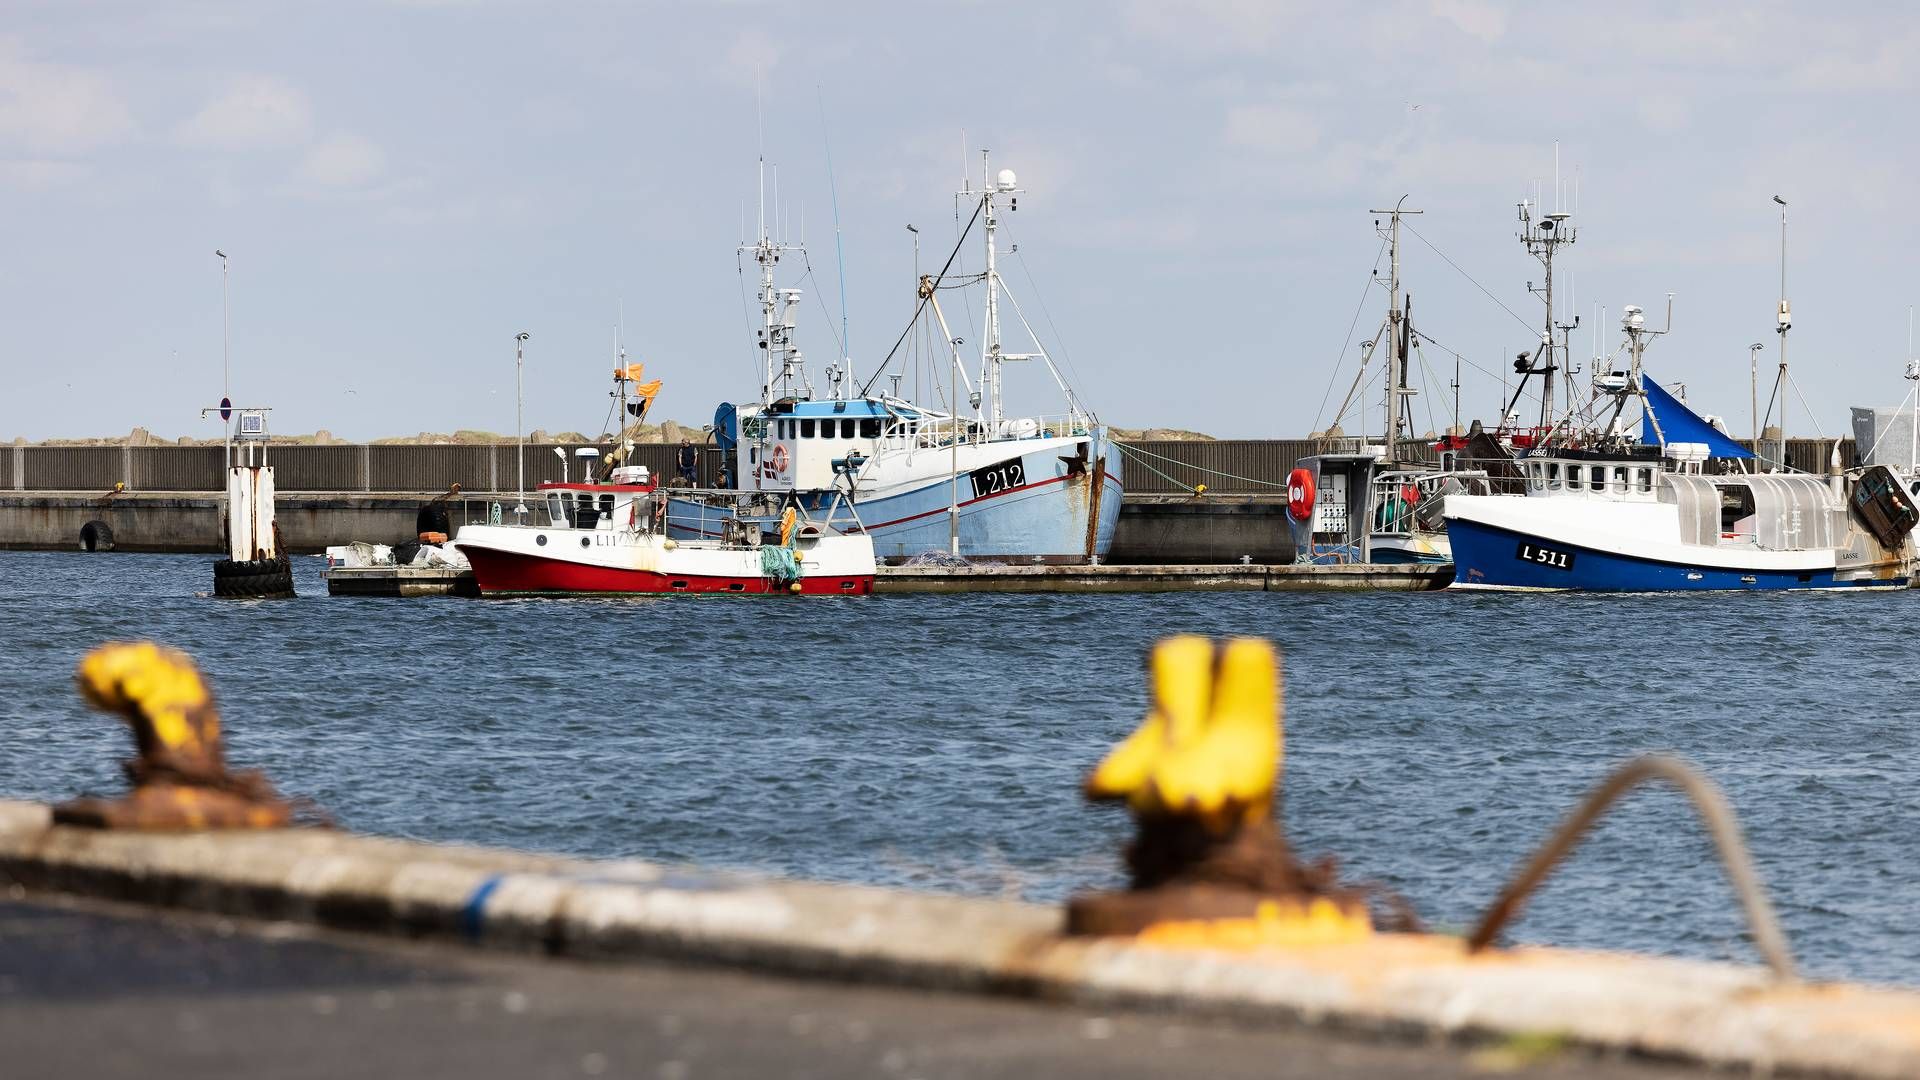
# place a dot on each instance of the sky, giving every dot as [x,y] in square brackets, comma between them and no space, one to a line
[402,187]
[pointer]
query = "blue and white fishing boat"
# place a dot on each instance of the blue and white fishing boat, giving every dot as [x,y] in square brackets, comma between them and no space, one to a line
[1601,512]
[963,480]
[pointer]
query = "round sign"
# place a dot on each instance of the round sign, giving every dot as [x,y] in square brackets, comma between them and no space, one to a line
[226,408]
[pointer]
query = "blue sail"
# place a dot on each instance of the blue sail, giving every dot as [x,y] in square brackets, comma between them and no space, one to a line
[1682,425]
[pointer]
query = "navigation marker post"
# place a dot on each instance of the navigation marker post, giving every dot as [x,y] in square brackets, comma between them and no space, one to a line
[255,566]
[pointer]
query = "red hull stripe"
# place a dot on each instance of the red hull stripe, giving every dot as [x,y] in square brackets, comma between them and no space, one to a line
[505,573]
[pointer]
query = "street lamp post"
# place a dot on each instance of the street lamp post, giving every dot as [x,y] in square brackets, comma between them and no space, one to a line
[226,331]
[519,418]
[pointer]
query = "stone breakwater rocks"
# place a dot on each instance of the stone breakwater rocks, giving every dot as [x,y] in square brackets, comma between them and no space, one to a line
[1404,984]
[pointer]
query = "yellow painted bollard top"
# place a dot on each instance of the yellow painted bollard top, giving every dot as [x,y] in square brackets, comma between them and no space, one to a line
[1210,746]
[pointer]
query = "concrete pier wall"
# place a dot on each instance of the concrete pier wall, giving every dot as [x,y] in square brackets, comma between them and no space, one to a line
[1157,467]
[1152,530]
[337,494]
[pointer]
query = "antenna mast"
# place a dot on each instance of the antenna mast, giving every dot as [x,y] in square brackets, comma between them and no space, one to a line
[990,354]
[1543,234]
[778,310]
[1399,394]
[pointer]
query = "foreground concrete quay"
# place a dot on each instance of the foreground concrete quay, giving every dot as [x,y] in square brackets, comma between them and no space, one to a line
[109,990]
[1404,985]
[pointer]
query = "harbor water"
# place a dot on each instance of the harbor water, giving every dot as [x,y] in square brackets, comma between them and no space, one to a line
[939,742]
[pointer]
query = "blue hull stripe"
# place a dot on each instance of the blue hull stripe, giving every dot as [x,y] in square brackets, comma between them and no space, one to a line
[1490,557]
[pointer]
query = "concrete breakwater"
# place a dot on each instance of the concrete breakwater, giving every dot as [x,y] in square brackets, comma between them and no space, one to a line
[1208,529]
[1199,503]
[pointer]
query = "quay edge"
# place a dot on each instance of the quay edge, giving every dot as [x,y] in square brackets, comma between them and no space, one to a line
[1712,1013]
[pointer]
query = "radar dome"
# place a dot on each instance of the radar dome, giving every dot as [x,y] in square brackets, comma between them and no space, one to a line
[1006,179]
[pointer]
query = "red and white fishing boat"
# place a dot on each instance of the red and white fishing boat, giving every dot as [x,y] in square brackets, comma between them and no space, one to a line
[588,538]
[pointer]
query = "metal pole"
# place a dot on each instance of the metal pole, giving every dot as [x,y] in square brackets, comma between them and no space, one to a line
[519,417]
[226,331]
[1786,323]
[953,454]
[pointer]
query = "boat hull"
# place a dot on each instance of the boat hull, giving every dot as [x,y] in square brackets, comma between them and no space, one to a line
[520,561]
[1490,557]
[1053,517]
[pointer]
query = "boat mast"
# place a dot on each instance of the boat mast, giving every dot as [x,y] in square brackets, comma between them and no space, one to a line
[1543,236]
[1399,394]
[779,310]
[1785,321]
[990,356]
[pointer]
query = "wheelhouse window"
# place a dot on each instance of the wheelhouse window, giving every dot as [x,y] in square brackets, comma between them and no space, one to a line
[870,428]
[847,427]
[1553,474]
[806,428]
[1644,479]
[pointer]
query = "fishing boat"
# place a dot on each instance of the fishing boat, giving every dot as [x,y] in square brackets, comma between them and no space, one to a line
[1380,502]
[1681,507]
[961,479]
[599,538]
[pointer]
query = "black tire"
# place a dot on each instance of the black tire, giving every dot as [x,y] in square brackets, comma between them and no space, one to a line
[261,578]
[96,536]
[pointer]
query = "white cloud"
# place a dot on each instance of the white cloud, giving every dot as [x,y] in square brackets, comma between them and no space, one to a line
[1215,26]
[1273,129]
[752,55]
[342,161]
[255,111]
[1475,17]
[54,108]
[40,174]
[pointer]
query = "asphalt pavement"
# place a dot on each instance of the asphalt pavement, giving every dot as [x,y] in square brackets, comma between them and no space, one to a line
[93,990]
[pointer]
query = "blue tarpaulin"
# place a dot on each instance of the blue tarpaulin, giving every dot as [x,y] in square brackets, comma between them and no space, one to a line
[1680,424]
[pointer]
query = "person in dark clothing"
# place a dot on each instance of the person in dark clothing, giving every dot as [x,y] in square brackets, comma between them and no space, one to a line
[688,459]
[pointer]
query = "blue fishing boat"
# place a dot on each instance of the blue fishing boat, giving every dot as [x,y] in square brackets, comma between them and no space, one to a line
[1682,507]
[964,479]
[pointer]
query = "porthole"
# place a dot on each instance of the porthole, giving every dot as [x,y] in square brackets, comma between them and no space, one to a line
[540,539]
[585,541]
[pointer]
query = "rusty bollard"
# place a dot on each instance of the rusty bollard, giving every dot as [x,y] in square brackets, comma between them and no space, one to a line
[180,778]
[1208,864]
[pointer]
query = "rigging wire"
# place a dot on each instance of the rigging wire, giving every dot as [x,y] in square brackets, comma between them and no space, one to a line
[922,305]
[746,315]
[1469,277]
[838,341]
[1334,375]
[1066,359]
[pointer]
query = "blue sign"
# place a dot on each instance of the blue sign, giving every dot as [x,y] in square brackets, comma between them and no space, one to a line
[226,409]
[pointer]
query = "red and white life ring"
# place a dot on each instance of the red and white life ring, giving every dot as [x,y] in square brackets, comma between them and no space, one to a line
[780,459]
[1300,494]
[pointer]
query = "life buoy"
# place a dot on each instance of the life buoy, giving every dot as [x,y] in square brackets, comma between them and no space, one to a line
[780,459]
[1300,494]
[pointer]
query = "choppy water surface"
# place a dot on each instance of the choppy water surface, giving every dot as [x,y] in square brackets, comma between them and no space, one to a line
[939,742]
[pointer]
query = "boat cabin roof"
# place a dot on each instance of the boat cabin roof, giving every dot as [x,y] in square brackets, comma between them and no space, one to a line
[836,408]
